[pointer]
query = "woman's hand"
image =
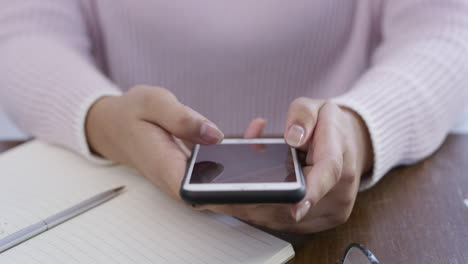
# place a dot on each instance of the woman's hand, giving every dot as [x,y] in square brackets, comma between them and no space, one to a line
[137,129]
[337,152]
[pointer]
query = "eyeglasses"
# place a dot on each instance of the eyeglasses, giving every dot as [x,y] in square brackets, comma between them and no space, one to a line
[358,254]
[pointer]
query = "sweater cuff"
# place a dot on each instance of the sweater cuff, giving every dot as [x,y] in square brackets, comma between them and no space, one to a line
[364,112]
[80,128]
[386,115]
[52,96]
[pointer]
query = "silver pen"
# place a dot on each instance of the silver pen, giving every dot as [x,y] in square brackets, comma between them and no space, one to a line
[56,219]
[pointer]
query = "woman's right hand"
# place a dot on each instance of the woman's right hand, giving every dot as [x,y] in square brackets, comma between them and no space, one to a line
[137,129]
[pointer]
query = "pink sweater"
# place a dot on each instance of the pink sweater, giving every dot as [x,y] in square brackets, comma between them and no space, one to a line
[401,64]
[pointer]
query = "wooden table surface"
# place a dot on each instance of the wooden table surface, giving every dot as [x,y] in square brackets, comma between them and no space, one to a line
[415,214]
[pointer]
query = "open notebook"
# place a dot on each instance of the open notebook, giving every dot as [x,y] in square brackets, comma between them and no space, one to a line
[141,225]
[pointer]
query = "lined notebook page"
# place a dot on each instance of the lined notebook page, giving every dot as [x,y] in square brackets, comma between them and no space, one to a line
[142,225]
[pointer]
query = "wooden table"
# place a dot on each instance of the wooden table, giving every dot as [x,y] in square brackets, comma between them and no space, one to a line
[416,214]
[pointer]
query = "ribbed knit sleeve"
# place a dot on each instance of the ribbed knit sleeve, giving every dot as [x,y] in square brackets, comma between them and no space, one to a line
[48,78]
[417,83]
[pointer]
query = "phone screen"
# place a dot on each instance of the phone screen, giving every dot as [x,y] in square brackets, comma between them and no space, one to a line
[243,163]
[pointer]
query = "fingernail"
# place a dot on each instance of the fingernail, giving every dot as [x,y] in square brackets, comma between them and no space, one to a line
[295,136]
[302,211]
[210,134]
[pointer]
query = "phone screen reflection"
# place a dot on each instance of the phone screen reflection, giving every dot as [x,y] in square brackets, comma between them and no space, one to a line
[243,163]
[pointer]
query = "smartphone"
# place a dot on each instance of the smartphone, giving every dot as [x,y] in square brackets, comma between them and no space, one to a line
[260,170]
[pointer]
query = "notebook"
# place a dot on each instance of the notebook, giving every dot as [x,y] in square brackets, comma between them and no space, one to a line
[141,225]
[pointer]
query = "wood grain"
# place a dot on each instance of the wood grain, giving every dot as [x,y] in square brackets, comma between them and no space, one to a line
[415,214]
[6,145]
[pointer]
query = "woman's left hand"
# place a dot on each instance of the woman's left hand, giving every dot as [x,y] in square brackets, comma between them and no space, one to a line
[338,151]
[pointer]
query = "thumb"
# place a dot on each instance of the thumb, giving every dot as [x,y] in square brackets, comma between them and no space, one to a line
[202,131]
[300,121]
[164,110]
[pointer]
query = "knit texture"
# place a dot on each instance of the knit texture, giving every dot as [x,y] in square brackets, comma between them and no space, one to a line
[401,64]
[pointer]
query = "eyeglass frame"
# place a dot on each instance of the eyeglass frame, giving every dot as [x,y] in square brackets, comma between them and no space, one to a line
[370,256]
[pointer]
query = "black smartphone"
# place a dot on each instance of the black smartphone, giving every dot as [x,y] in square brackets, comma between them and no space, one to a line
[260,170]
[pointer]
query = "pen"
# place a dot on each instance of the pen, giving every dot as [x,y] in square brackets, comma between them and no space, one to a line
[56,219]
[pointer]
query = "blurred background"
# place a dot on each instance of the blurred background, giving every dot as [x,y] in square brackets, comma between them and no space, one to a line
[462,125]
[8,130]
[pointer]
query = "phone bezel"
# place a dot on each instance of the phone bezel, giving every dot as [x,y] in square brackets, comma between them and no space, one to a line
[265,186]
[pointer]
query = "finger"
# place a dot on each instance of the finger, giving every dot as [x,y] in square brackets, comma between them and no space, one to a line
[327,134]
[300,122]
[271,215]
[326,157]
[255,128]
[237,210]
[161,160]
[185,146]
[260,214]
[332,210]
[318,224]
[324,175]
[162,108]
[336,205]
